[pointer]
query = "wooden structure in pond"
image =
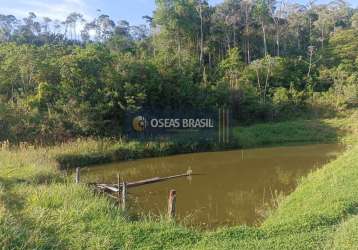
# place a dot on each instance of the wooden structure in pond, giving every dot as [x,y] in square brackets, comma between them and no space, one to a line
[119,191]
[119,186]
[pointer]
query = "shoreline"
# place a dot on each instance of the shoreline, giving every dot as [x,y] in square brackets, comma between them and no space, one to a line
[259,135]
[37,200]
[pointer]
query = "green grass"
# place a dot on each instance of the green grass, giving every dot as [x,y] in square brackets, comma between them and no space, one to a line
[42,209]
[290,132]
[85,152]
[346,236]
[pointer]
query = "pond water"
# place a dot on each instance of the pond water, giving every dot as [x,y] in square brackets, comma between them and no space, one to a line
[228,188]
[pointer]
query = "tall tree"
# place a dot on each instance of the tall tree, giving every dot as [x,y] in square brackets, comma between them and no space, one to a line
[298,24]
[262,10]
[246,6]
[279,15]
[72,25]
[7,26]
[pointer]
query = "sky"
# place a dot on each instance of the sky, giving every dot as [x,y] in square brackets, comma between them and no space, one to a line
[130,10]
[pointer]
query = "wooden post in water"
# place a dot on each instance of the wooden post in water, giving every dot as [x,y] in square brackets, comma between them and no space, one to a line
[172,204]
[227,126]
[119,184]
[223,124]
[77,175]
[124,195]
[219,125]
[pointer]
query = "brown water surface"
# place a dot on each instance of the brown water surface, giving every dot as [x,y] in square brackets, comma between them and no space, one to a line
[233,187]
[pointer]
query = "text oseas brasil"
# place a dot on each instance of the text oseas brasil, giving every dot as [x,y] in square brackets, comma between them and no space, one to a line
[181,123]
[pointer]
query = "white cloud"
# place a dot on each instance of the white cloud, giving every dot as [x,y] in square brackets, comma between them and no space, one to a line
[53,9]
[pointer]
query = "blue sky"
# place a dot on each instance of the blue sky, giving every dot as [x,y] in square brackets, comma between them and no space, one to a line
[130,10]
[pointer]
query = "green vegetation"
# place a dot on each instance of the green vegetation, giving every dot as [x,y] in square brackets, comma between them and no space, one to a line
[84,152]
[264,60]
[346,235]
[40,208]
[283,133]
[287,72]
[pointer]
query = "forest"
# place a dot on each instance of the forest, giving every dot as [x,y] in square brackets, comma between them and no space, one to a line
[265,60]
[286,178]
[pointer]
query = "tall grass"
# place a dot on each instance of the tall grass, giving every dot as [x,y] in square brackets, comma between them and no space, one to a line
[42,209]
[84,152]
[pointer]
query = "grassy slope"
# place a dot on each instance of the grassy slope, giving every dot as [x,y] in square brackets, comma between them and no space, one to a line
[284,133]
[300,131]
[41,209]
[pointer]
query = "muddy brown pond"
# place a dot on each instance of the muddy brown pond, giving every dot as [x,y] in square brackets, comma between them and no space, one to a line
[231,188]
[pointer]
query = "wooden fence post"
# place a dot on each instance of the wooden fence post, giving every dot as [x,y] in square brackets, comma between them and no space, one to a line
[77,175]
[124,195]
[119,185]
[172,204]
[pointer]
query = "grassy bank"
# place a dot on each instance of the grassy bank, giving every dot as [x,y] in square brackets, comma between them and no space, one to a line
[89,152]
[41,209]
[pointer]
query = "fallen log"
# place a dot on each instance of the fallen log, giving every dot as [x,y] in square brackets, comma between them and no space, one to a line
[105,186]
[115,188]
[157,179]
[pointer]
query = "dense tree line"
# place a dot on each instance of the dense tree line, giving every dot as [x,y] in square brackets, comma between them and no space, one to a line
[264,59]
